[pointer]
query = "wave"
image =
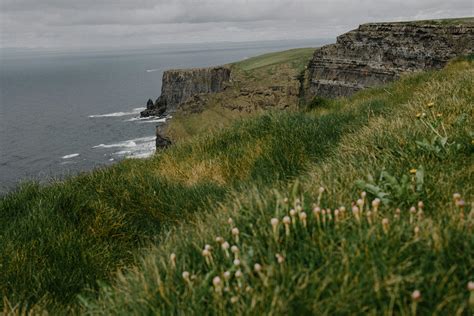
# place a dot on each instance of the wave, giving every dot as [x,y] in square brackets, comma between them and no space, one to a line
[70,156]
[153,70]
[161,120]
[128,143]
[118,114]
[150,119]
[125,144]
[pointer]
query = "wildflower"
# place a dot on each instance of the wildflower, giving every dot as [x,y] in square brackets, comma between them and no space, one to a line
[316,212]
[248,289]
[416,296]
[286,222]
[456,197]
[293,216]
[355,212]
[236,262]
[280,258]
[227,275]
[206,253]
[235,250]
[234,299]
[360,204]
[416,230]
[320,195]
[385,225]
[303,217]
[418,115]
[470,286]
[342,209]
[173,260]
[430,105]
[413,171]
[208,247]
[235,233]
[220,240]
[217,284]
[421,205]
[275,222]
[336,215]
[186,275]
[412,213]
[257,268]
[439,115]
[225,246]
[230,221]
[299,208]
[375,205]
[238,274]
[285,200]
[323,213]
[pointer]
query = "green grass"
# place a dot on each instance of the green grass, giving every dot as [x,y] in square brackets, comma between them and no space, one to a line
[298,57]
[71,238]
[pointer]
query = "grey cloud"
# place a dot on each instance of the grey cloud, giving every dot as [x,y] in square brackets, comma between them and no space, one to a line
[54,23]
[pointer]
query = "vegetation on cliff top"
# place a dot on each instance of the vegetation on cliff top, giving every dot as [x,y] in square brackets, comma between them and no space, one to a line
[260,83]
[408,142]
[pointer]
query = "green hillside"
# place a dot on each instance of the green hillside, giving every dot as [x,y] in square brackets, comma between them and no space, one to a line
[130,239]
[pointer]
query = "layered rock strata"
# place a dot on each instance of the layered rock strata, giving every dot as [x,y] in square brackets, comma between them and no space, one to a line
[377,53]
[178,86]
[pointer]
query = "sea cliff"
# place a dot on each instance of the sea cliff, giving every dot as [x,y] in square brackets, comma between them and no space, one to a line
[181,84]
[377,53]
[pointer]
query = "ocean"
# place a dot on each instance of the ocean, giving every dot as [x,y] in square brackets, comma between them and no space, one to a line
[63,113]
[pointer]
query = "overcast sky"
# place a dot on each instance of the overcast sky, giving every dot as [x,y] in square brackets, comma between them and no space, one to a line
[130,23]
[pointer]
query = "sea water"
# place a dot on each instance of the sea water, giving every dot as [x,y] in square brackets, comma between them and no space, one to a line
[62,113]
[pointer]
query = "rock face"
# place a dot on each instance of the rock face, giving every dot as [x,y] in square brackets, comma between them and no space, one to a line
[377,53]
[180,85]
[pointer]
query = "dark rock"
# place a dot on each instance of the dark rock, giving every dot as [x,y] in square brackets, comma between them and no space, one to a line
[161,141]
[149,104]
[154,109]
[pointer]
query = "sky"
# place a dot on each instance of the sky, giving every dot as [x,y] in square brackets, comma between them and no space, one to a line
[76,24]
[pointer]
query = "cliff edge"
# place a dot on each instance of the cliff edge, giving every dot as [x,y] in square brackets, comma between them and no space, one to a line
[180,85]
[377,53]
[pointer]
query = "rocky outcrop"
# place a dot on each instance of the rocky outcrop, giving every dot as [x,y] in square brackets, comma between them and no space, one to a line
[180,85]
[377,53]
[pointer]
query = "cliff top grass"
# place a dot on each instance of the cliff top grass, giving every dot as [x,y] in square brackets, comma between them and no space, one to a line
[140,237]
[258,83]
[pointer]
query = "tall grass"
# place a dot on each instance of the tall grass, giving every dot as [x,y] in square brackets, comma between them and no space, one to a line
[71,237]
[61,239]
[390,257]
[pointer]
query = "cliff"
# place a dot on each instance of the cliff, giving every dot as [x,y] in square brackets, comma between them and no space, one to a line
[377,53]
[180,85]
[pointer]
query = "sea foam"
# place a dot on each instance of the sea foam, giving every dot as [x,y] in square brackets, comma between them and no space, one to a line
[70,156]
[118,114]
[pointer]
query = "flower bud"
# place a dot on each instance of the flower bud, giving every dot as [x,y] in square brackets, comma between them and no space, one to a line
[416,296]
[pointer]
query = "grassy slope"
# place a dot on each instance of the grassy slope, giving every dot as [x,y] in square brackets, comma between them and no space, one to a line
[345,266]
[59,240]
